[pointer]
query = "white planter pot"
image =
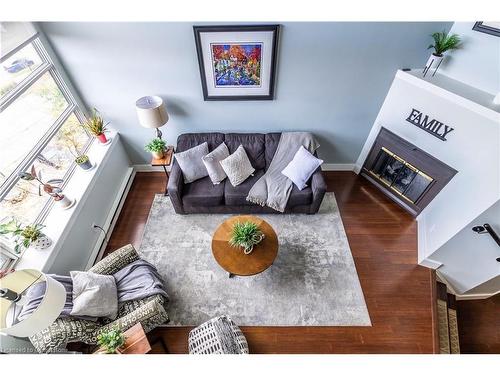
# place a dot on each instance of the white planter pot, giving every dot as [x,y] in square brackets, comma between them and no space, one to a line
[433,64]
[65,202]
[43,242]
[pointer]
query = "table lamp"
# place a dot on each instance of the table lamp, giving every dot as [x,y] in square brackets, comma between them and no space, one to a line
[152,113]
[13,288]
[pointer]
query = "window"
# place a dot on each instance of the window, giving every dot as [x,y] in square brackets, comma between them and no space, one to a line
[39,124]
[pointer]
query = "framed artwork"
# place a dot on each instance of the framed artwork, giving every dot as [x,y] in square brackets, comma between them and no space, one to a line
[492,28]
[237,62]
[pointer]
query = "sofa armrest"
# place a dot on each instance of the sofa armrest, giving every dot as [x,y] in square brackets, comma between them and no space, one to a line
[318,187]
[174,187]
[116,260]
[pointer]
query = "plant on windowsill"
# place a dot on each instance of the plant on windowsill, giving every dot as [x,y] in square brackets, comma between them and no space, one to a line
[49,187]
[95,125]
[246,235]
[442,43]
[70,141]
[111,341]
[25,236]
[156,147]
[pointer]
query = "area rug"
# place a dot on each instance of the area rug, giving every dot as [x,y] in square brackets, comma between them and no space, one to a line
[313,281]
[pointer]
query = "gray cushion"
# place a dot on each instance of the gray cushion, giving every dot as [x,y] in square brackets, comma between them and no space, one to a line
[189,140]
[300,197]
[191,163]
[203,193]
[237,166]
[212,163]
[253,143]
[237,195]
[94,294]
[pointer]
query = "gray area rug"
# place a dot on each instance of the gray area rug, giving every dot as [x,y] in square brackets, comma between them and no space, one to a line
[313,281]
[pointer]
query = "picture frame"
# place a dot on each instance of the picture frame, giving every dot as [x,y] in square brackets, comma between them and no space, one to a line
[492,28]
[237,62]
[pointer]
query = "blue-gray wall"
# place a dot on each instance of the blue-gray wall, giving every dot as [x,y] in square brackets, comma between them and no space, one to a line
[331,79]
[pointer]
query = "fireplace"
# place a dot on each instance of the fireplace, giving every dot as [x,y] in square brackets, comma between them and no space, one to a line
[408,175]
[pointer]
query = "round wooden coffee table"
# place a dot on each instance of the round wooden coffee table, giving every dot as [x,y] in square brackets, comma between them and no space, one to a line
[233,260]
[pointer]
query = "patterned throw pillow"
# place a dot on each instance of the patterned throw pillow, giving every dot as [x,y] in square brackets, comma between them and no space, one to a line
[212,163]
[237,166]
[191,163]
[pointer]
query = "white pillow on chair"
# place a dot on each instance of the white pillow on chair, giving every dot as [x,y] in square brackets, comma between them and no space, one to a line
[302,167]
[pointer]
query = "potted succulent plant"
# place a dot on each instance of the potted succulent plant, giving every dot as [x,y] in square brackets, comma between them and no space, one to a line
[83,162]
[95,125]
[25,236]
[246,235]
[49,187]
[156,147]
[111,341]
[70,141]
[442,43]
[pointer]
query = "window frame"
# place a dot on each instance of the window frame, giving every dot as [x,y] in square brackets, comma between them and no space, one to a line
[47,66]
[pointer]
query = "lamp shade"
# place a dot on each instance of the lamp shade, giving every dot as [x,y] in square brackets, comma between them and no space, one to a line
[151,112]
[13,286]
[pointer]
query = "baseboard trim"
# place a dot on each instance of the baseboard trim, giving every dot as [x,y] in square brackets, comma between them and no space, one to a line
[147,168]
[110,222]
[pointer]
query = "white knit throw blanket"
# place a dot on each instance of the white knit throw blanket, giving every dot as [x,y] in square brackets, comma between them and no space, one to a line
[273,188]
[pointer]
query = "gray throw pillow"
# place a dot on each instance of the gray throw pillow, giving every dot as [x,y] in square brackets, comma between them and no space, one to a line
[94,295]
[212,163]
[237,166]
[191,163]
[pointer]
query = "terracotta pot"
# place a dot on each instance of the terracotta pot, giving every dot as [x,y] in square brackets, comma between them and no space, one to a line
[102,138]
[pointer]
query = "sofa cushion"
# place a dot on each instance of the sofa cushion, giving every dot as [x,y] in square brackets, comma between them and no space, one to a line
[237,195]
[300,197]
[272,141]
[301,168]
[212,163]
[191,162]
[203,193]
[189,140]
[253,143]
[237,166]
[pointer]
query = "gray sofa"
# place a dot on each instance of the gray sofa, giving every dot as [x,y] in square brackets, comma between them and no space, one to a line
[202,196]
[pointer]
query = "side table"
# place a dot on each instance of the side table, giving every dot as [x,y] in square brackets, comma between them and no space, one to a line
[164,162]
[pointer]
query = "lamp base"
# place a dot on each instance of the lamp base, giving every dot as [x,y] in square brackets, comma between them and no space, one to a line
[158,133]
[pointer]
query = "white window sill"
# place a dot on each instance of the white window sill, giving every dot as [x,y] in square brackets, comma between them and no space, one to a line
[59,222]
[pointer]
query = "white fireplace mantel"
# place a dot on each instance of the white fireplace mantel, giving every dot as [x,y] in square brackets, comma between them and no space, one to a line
[472,148]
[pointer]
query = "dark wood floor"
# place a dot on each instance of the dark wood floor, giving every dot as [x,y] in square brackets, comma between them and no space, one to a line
[383,242]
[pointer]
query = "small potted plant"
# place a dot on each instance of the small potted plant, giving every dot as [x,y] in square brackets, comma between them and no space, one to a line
[246,235]
[83,162]
[27,236]
[156,147]
[48,187]
[70,141]
[111,341]
[442,43]
[95,125]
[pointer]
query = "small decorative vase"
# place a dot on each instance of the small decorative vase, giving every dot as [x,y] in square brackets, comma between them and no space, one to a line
[157,154]
[41,243]
[433,64]
[102,138]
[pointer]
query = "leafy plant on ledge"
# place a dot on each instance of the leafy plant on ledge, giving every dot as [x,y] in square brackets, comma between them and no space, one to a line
[156,147]
[111,341]
[444,42]
[95,125]
[23,236]
[246,235]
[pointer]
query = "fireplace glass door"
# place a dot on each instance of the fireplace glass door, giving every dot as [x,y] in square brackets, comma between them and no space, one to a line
[402,177]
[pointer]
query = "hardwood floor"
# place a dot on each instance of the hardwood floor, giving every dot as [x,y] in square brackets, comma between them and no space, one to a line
[383,242]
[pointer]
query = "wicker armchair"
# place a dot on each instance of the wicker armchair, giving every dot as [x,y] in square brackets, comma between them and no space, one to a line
[150,312]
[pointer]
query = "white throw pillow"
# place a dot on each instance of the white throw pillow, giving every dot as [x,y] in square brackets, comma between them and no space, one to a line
[237,166]
[301,168]
[191,163]
[94,295]
[212,163]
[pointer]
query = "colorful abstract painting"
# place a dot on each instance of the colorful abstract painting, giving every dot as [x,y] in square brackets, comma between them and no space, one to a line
[237,64]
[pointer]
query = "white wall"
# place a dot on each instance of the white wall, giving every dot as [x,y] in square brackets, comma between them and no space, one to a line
[469,259]
[477,63]
[473,149]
